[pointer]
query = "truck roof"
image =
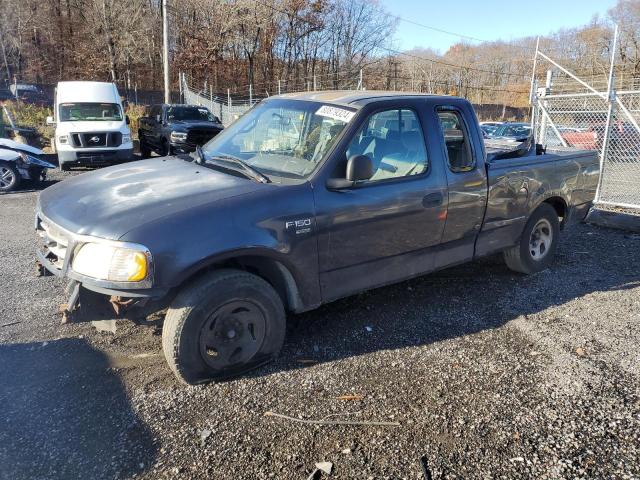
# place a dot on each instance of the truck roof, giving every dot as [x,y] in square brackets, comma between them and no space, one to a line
[190,105]
[93,92]
[355,97]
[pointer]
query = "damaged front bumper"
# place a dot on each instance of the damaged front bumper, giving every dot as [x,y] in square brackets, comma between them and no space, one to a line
[90,298]
[86,305]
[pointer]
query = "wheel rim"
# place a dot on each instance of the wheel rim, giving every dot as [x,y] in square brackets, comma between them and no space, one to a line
[541,239]
[6,177]
[232,334]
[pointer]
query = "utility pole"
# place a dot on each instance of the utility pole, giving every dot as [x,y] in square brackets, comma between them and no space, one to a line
[165,51]
[395,75]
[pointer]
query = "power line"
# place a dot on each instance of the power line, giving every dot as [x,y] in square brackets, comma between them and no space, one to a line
[398,52]
[440,30]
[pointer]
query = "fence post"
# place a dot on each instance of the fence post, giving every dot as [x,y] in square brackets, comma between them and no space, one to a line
[180,80]
[360,85]
[543,123]
[533,73]
[611,94]
[279,92]
[250,94]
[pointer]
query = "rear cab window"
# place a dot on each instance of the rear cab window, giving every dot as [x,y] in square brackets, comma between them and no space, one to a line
[456,140]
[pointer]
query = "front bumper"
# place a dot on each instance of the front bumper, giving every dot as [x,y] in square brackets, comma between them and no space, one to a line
[32,172]
[182,147]
[56,257]
[89,158]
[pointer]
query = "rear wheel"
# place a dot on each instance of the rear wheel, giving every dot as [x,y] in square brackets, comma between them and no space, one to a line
[9,177]
[221,326]
[538,243]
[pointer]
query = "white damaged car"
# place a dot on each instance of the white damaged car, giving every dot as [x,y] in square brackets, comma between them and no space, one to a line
[20,162]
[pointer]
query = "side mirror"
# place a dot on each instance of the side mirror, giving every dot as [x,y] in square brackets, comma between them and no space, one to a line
[359,168]
[127,119]
[50,121]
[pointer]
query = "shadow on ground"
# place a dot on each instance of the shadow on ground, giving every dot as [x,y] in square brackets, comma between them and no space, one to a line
[456,302]
[65,414]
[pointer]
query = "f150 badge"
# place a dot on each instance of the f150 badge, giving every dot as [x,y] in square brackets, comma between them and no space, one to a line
[300,226]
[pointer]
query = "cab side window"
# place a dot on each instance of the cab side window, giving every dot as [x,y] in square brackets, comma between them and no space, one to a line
[393,140]
[155,111]
[458,148]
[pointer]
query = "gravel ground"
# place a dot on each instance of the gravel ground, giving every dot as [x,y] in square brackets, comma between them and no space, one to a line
[490,375]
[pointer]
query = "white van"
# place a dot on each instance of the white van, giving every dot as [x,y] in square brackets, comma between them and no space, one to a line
[91,126]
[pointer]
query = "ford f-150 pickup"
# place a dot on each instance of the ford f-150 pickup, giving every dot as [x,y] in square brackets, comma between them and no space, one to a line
[305,199]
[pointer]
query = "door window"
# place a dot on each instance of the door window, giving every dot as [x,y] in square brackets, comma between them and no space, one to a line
[458,149]
[393,140]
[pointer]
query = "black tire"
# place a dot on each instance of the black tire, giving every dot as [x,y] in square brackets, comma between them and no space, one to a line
[145,151]
[166,149]
[9,177]
[222,325]
[64,167]
[538,243]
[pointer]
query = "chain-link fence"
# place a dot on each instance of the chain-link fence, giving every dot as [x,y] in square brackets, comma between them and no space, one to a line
[225,109]
[593,115]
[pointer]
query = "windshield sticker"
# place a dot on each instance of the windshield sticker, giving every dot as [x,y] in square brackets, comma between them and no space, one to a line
[335,113]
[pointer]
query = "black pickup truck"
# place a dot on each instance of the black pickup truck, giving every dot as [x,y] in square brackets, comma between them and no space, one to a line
[305,199]
[173,129]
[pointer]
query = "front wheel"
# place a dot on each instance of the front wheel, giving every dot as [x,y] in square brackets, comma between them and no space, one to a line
[221,326]
[538,243]
[145,150]
[9,177]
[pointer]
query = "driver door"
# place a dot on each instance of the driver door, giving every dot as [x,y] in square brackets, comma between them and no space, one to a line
[387,228]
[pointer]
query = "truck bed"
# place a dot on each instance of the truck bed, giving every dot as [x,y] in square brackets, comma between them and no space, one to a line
[517,185]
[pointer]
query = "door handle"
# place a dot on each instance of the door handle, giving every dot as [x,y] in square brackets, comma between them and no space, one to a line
[432,200]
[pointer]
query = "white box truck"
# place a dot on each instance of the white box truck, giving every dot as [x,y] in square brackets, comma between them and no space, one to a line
[91,126]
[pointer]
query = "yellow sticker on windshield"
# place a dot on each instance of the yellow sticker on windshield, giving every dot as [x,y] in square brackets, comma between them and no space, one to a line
[336,113]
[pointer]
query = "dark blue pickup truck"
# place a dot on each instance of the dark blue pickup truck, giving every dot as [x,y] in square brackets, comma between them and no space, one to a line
[305,199]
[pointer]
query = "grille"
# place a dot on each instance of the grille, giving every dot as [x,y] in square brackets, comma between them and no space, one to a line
[201,136]
[54,243]
[96,156]
[96,139]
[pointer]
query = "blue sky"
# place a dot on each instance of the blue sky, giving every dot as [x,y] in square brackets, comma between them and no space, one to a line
[487,19]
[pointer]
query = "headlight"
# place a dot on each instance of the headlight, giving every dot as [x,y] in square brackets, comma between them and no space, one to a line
[63,139]
[126,138]
[178,136]
[112,263]
[31,160]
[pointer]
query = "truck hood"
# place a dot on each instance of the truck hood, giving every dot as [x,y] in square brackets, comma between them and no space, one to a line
[194,124]
[110,202]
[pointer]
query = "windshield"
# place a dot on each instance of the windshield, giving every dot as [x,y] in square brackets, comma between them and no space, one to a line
[74,112]
[287,138]
[513,130]
[189,113]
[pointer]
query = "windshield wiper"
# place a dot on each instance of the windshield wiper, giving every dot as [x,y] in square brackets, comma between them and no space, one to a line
[246,168]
